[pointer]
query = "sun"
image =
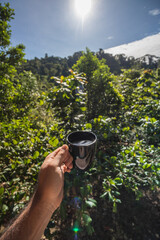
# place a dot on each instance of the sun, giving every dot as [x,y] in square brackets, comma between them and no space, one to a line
[83,7]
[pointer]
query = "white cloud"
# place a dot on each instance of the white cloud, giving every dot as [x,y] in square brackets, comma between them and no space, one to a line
[110,37]
[148,45]
[154,12]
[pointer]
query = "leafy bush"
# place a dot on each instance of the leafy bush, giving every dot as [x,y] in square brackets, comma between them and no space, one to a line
[123,111]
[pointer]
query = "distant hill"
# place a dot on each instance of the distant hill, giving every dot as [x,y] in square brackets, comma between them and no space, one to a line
[144,53]
[147,46]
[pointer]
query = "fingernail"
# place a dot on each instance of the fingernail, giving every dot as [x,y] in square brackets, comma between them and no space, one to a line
[65,147]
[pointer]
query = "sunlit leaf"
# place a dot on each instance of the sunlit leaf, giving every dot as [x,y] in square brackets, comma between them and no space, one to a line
[89,126]
[35,155]
[91,203]
[87,219]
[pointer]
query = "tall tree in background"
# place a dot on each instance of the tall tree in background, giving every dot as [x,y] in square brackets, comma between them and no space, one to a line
[16,90]
[101,93]
[8,55]
[87,64]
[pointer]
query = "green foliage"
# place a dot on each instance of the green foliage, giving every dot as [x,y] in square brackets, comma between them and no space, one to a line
[49,66]
[109,100]
[6,14]
[9,56]
[67,98]
[102,96]
[17,94]
[35,117]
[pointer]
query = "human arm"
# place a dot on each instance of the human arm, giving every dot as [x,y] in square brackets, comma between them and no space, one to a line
[31,224]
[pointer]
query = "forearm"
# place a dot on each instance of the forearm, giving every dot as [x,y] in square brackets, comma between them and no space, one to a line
[30,225]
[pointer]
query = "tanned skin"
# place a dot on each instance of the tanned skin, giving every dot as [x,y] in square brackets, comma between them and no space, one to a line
[31,223]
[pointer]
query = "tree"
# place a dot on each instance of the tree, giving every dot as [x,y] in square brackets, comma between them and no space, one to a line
[68,101]
[106,98]
[110,60]
[101,93]
[16,90]
[8,55]
[87,64]
[6,14]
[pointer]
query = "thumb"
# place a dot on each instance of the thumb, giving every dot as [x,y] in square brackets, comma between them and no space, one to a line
[65,147]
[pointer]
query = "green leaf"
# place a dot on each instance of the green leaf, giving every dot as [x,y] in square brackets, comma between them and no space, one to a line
[91,203]
[127,151]
[112,182]
[6,144]
[114,207]
[118,181]
[36,155]
[15,142]
[54,142]
[13,165]
[1,190]
[105,135]
[110,197]
[41,102]
[103,195]
[126,129]
[89,126]
[147,165]
[28,161]
[27,198]
[83,109]
[45,154]
[4,208]
[87,219]
[13,190]
[92,200]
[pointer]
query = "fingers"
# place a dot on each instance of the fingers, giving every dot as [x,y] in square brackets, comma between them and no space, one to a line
[66,159]
[65,168]
[53,154]
[68,162]
[70,166]
[60,150]
[61,157]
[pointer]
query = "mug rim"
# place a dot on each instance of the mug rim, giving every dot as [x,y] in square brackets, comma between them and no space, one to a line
[82,132]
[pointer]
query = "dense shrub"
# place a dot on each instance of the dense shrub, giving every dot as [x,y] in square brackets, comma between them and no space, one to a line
[123,111]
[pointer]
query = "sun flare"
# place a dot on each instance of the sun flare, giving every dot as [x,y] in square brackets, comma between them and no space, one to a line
[83,7]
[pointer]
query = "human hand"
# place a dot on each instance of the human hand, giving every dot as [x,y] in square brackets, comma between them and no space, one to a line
[51,176]
[33,220]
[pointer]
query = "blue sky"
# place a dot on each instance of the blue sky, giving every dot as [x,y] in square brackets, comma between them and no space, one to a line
[53,26]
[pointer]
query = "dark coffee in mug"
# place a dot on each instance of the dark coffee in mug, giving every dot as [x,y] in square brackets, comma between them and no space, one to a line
[82,146]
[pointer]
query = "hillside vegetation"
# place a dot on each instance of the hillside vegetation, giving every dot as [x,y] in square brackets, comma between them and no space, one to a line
[119,196]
